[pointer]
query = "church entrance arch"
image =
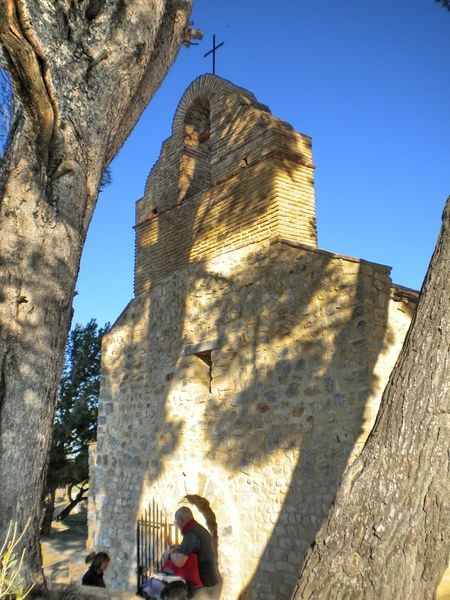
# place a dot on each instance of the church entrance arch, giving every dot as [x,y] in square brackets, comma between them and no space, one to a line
[214,508]
[205,509]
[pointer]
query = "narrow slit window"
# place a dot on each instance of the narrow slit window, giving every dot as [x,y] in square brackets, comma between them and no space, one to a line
[206,357]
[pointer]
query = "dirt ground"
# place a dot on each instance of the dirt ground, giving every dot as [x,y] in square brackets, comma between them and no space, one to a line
[64,552]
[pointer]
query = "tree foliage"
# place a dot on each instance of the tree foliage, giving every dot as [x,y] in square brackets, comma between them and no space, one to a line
[75,423]
[106,179]
[445,3]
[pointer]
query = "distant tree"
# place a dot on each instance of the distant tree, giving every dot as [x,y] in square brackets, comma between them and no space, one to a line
[445,3]
[75,423]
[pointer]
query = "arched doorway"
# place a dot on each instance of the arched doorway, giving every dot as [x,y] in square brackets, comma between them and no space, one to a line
[208,514]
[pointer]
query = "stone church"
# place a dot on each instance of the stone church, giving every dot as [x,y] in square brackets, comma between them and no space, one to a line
[247,370]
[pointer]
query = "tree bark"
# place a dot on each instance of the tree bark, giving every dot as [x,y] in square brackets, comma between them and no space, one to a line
[82,74]
[387,535]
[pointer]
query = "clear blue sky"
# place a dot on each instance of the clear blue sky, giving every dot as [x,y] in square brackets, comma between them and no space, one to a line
[369,81]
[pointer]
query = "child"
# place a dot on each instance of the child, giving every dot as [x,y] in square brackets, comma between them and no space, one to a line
[98,564]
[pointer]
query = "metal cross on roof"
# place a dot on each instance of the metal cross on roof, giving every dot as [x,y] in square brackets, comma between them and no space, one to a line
[213,52]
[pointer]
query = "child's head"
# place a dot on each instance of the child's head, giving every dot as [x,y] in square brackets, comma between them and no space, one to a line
[99,561]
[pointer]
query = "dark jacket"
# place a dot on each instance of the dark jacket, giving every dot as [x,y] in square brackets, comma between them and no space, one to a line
[93,578]
[197,539]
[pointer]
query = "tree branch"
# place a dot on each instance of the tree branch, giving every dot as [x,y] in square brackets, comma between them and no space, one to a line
[167,41]
[27,73]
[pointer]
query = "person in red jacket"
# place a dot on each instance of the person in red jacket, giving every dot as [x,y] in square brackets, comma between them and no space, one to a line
[189,571]
[197,540]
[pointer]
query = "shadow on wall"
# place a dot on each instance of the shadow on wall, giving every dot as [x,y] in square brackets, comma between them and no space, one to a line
[295,408]
[288,348]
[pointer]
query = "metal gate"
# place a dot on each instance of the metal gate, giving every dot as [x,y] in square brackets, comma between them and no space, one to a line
[154,535]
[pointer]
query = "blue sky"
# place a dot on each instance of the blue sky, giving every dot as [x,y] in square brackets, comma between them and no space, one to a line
[369,81]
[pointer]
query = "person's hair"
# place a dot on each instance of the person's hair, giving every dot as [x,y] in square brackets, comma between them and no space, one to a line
[96,559]
[185,513]
[177,590]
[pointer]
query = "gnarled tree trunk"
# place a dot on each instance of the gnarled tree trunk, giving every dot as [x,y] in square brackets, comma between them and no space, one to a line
[387,536]
[83,490]
[82,73]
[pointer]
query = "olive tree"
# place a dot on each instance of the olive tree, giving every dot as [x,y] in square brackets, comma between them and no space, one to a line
[82,72]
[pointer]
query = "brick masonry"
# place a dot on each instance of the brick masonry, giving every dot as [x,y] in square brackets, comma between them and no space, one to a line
[230,174]
[249,367]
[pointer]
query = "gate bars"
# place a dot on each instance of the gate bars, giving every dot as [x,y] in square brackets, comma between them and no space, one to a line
[153,536]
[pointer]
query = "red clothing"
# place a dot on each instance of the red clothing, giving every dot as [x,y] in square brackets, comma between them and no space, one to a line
[189,525]
[189,571]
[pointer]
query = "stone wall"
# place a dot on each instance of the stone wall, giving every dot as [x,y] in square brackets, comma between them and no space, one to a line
[252,380]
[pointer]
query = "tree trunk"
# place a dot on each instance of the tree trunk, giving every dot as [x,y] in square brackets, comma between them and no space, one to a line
[72,503]
[49,509]
[40,257]
[82,74]
[387,535]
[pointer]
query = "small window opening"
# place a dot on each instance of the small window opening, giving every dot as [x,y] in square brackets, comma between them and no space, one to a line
[206,357]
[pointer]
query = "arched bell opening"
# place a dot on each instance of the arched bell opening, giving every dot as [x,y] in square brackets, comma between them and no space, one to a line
[195,162]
